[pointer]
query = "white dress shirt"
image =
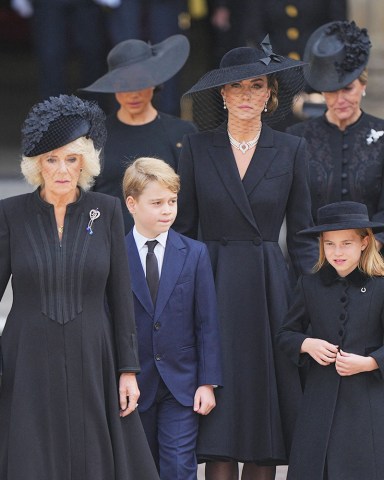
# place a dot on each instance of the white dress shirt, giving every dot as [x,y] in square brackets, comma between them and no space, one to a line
[143,248]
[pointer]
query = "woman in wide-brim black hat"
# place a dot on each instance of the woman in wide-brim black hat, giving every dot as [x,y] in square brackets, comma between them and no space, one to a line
[335,327]
[136,70]
[346,145]
[238,182]
[68,350]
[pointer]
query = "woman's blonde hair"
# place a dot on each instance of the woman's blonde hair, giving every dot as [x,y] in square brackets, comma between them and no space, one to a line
[145,170]
[363,78]
[31,166]
[371,262]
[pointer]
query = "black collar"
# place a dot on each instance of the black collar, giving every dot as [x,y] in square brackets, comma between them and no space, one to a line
[329,275]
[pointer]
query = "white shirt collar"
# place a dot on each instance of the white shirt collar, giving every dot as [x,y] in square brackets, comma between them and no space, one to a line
[141,240]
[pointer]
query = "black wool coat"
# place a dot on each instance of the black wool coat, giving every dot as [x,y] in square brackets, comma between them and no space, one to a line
[62,350]
[340,428]
[240,221]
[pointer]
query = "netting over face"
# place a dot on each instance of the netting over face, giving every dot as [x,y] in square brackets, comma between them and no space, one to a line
[206,106]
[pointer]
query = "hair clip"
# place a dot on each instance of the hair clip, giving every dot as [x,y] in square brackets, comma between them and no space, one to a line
[93,215]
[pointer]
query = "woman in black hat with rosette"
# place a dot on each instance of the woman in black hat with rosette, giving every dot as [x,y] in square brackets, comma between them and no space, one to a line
[339,433]
[346,145]
[136,70]
[238,182]
[69,356]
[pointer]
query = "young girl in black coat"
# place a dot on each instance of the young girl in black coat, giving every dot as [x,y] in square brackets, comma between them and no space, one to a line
[339,434]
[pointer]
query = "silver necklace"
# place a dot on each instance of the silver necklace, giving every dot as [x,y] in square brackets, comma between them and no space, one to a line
[244,146]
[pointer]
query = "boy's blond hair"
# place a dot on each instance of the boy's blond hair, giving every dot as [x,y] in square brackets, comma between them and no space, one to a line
[371,262]
[145,170]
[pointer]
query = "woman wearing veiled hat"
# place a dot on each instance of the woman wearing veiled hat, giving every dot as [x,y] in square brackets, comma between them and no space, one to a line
[346,144]
[135,71]
[69,356]
[238,182]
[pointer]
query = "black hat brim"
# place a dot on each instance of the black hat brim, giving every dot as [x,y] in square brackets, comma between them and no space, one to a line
[167,59]
[376,227]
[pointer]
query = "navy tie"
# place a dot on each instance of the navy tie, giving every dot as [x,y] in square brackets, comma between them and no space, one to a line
[152,268]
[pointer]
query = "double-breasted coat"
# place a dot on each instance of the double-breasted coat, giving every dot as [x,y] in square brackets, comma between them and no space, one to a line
[340,429]
[62,351]
[240,221]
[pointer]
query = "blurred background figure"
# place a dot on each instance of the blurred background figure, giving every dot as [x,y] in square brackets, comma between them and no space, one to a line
[346,145]
[152,21]
[63,32]
[136,70]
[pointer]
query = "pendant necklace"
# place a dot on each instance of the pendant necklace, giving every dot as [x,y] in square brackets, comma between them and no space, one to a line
[244,146]
[60,229]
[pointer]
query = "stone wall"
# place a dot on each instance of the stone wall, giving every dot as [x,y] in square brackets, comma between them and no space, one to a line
[370,14]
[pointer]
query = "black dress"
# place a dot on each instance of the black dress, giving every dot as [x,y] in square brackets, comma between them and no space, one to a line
[240,221]
[345,165]
[339,434]
[161,138]
[61,350]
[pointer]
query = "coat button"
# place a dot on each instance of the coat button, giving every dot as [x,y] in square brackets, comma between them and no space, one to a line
[344,191]
[257,241]
[343,299]
[157,326]
[345,146]
[341,333]
[342,316]
[223,241]
[157,357]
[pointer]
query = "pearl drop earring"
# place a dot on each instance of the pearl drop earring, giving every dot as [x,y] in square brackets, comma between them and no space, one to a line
[265,106]
[364,93]
[224,104]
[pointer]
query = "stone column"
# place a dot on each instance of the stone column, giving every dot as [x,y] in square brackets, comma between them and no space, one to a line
[370,14]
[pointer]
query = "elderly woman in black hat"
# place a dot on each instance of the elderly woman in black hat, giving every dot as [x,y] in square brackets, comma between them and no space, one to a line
[339,433]
[346,145]
[69,356]
[135,71]
[238,182]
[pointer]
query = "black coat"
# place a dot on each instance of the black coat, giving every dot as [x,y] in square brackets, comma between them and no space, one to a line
[340,427]
[240,223]
[161,138]
[343,166]
[61,349]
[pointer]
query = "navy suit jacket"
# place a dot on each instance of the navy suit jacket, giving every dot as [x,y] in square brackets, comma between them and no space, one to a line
[179,336]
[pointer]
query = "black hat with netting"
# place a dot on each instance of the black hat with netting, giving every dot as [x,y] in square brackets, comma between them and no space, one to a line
[205,101]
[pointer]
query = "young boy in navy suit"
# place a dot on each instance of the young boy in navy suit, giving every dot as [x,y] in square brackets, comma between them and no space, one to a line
[176,317]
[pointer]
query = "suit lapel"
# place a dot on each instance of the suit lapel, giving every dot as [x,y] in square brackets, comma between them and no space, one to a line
[262,159]
[138,280]
[174,258]
[225,164]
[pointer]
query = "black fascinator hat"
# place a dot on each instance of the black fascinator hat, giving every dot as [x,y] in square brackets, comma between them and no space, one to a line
[342,216]
[60,120]
[337,53]
[239,64]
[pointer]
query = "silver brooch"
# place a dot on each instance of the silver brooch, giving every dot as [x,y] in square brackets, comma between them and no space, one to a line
[374,135]
[363,290]
[93,215]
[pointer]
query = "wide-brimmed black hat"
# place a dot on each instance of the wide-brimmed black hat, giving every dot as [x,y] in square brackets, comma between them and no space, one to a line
[342,216]
[243,63]
[60,120]
[135,65]
[337,53]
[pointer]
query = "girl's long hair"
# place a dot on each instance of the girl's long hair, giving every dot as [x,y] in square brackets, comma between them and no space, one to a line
[371,262]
